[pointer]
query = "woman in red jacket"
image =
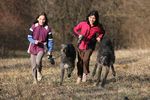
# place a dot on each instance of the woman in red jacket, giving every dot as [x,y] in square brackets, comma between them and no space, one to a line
[88,32]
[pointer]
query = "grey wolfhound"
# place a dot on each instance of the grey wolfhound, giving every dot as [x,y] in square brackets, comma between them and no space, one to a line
[68,56]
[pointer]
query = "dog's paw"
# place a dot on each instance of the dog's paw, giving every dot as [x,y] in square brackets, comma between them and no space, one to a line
[60,83]
[102,85]
[95,84]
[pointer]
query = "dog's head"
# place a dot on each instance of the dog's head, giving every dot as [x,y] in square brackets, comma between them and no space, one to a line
[107,59]
[68,50]
[69,69]
[63,49]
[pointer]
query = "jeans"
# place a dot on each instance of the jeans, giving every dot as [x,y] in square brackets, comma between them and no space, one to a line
[36,63]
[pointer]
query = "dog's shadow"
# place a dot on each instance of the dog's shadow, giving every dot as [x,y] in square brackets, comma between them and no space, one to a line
[92,80]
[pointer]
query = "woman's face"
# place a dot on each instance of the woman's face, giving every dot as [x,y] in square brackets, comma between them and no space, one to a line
[41,19]
[92,19]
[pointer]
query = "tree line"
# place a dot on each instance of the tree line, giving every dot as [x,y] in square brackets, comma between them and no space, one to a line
[126,21]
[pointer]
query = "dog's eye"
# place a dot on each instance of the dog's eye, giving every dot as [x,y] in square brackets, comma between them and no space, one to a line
[65,50]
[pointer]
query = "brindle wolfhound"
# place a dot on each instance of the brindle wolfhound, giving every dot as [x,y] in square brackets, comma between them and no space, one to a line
[105,59]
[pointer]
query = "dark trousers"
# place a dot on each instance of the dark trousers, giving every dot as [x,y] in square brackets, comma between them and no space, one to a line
[83,61]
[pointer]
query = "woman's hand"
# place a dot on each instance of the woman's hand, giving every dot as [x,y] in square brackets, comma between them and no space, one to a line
[36,41]
[98,39]
[49,53]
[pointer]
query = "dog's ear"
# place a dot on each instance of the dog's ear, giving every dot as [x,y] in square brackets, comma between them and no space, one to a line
[64,48]
[62,45]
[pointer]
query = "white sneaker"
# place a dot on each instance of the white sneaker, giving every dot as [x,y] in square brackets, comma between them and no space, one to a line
[39,76]
[84,77]
[78,80]
[35,82]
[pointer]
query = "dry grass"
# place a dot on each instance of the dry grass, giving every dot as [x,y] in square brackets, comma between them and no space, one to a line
[132,81]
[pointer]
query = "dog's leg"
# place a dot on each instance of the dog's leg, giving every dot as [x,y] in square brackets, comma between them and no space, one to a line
[105,76]
[72,67]
[94,70]
[113,70]
[99,74]
[62,73]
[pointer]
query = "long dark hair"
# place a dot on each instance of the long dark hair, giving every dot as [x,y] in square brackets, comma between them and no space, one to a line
[96,23]
[95,13]
[46,19]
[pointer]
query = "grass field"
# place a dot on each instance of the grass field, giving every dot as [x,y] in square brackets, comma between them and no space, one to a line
[132,80]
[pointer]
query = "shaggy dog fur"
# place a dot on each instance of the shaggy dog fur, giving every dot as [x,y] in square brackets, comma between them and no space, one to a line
[68,56]
[105,59]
